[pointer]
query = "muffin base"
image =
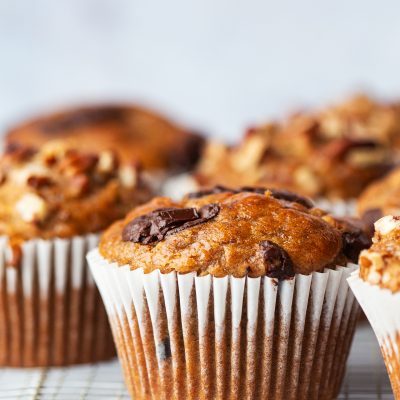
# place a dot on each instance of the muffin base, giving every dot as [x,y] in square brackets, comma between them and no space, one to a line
[183,336]
[51,313]
[381,307]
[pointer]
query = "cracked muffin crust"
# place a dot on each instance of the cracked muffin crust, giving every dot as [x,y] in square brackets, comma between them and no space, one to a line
[62,192]
[380,264]
[137,135]
[334,153]
[246,231]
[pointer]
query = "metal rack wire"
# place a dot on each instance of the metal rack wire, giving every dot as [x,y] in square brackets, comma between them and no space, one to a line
[366,378]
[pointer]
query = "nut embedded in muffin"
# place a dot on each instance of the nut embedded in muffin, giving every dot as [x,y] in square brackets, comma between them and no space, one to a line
[380,264]
[61,191]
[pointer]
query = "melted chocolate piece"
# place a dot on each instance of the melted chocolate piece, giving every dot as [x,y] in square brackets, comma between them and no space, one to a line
[156,225]
[277,194]
[81,118]
[206,192]
[278,261]
[354,242]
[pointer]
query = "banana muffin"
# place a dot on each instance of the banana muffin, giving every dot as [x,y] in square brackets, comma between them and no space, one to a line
[136,134]
[221,285]
[53,203]
[377,288]
[332,154]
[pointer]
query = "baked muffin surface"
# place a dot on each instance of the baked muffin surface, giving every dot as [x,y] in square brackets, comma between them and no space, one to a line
[61,192]
[380,264]
[134,133]
[249,231]
[334,153]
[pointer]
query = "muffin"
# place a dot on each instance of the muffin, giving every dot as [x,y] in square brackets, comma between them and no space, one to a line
[376,286]
[380,198]
[331,155]
[230,293]
[134,133]
[53,204]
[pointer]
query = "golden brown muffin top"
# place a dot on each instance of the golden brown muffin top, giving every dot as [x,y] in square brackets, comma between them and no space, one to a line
[334,153]
[61,192]
[380,264]
[380,198]
[134,133]
[248,231]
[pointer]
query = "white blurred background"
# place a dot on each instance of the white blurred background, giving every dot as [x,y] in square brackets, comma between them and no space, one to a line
[218,65]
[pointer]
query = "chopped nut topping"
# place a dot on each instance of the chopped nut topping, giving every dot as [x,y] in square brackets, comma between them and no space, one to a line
[128,176]
[387,224]
[107,162]
[31,208]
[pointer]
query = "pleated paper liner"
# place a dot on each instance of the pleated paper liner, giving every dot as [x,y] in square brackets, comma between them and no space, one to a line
[51,313]
[382,308]
[189,337]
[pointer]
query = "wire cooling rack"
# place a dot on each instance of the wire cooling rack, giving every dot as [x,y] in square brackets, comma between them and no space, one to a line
[366,378]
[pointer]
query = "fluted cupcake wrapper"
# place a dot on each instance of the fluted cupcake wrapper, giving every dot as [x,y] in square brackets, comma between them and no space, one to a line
[382,308]
[51,313]
[189,337]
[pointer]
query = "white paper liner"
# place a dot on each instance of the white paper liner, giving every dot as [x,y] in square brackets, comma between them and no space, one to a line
[382,308]
[189,337]
[50,311]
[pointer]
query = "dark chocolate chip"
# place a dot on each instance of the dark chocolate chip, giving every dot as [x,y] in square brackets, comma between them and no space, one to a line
[277,194]
[354,242]
[206,192]
[82,118]
[278,262]
[292,197]
[164,349]
[156,225]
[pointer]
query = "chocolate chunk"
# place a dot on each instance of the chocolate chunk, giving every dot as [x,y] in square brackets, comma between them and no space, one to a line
[206,192]
[278,262]
[82,118]
[156,225]
[164,350]
[277,194]
[354,242]
[292,197]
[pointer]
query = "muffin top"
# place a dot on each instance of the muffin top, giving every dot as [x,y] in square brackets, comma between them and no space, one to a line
[380,264]
[135,134]
[247,231]
[61,192]
[380,198]
[334,153]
